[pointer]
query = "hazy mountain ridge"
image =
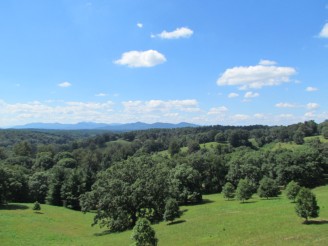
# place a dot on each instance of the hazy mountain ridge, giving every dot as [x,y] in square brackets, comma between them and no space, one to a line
[103,126]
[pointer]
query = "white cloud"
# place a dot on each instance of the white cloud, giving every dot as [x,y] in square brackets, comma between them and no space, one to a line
[256,76]
[50,111]
[149,58]
[310,89]
[251,94]
[240,117]
[160,106]
[140,25]
[312,106]
[267,63]
[232,95]
[218,110]
[65,84]
[324,31]
[310,114]
[101,94]
[285,105]
[182,32]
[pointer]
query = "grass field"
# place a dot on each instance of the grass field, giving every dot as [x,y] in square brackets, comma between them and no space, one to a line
[216,222]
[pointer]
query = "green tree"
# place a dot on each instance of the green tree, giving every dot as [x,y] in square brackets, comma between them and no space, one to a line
[171,210]
[143,234]
[324,132]
[185,184]
[306,204]
[292,190]
[268,188]
[38,186]
[174,148]
[193,146]
[228,191]
[298,137]
[37,206]
[244,190]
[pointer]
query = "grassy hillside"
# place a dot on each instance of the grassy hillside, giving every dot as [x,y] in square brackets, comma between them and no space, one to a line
[216,222]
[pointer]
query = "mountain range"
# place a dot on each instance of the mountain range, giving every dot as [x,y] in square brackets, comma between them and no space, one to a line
[103,126]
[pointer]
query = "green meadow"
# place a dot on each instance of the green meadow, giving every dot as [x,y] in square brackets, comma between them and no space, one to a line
[215,222]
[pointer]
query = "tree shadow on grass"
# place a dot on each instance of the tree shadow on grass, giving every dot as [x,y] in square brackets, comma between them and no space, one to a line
[176,222]
[37,212]
[248,202]
[204,201]
[316,222]
[13,207]
[103,233]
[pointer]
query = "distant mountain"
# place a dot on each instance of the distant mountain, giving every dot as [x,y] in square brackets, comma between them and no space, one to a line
[103,126]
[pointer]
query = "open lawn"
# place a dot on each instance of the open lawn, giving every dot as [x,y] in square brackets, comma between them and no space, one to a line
[216,222]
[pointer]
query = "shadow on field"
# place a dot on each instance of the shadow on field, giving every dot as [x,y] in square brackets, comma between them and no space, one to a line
[38,212]
[13,207]
[103,233]
[248,202]
[176,222]
[315,222]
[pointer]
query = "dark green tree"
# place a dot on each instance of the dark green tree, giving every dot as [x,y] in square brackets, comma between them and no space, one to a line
[38,186]
[298,137]
[143,234]
[228,191]
[185,185]
[306,204]
[244,190]
[193,146]
[37,206]
[268,188]
[174,148]
[292,190]
[171,210]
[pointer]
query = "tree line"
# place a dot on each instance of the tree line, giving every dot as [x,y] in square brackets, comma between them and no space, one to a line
[139,174]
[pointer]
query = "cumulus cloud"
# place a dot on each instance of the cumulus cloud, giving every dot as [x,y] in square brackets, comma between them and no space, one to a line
[148,58]
[65,84]
[140,25]
[240,117]
[312,106]
[256,77]
[161,106]
[218,110]
[324,31]
[310,89]
[285,105]
[232,95]
[182,32]
[251,94]
[267,63]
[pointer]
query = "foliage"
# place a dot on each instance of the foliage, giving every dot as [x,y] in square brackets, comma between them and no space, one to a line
[244,190]
[37,206]
[143,234]
[306,204]
[292,190]
[171,210]
[185,185]
[228,191]
[174,148]
[130,187]
[268,188]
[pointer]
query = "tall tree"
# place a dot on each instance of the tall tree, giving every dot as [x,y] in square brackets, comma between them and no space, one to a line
[244,190]
[292,190]
[228,191]
[268,188]
[143,234]
[171,210]
[306,204]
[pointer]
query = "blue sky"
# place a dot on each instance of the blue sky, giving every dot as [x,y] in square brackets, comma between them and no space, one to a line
[205,62]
